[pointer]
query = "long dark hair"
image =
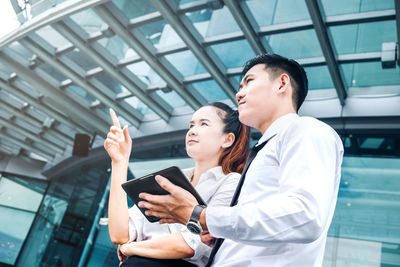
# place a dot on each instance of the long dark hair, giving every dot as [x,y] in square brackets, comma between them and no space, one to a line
[233,158]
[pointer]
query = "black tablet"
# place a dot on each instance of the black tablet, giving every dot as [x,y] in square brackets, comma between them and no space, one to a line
[148,184]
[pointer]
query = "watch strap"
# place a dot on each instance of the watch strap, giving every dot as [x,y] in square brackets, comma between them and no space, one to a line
[197,212]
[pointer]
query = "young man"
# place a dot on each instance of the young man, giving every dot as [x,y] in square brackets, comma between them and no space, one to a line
[288,197]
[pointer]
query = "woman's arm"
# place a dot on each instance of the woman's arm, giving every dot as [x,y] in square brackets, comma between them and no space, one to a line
[172,246]
[118,146]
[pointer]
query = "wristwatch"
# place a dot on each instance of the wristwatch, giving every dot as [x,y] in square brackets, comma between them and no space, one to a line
[193,225]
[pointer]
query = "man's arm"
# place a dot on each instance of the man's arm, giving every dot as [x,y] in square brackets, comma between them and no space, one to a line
[167,247]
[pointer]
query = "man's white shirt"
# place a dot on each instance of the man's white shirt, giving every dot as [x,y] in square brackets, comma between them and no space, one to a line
[287,201]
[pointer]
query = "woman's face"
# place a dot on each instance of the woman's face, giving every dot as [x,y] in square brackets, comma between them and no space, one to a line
[205,138]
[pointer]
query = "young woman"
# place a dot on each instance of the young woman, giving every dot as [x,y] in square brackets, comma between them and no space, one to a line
[218,143]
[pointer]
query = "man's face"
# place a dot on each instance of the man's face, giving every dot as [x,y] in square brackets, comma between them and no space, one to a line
[257,98]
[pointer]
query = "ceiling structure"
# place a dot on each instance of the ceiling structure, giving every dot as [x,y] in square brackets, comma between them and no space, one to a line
[154,62]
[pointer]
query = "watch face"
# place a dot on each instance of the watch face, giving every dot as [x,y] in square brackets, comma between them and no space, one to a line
[194,227]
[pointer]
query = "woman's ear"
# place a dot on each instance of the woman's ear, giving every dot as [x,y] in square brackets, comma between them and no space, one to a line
[229,139]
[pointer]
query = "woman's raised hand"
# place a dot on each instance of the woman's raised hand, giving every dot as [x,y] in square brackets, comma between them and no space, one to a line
[118,143]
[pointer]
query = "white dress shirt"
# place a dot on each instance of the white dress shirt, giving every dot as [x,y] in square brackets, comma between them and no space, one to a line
[287,201]
[214,187]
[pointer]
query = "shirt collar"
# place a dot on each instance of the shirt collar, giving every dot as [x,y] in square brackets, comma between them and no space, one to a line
[277,126]
[215,173]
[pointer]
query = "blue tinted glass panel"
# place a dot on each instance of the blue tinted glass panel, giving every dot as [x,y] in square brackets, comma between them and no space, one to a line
[117,47]
[234,54]
[14,226]
[80,59]
[213,22]
[319,78]
[88,20]
[290,11]
[143,71]
[340,7]
[370,74]
[210,90]
[368,38]
[367,207]
[138,105]
[52,37]
[79,91]
[133,9]
[171,98]
[110,83]
[160,34]
[296,45]
[186,63]
[262,10]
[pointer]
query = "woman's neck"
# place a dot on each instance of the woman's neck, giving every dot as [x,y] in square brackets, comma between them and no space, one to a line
[201,167]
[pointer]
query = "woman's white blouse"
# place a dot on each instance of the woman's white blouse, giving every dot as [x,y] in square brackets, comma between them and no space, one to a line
[214,187]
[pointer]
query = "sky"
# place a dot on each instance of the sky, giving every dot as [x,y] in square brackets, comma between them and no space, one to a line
[8,19]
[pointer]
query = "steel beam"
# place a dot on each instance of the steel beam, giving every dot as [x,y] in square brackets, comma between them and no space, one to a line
[186,31]
[38,104]
[63,103]
[243,20]
[397,8]
[327,49]
[59,66]
[19,143]
[169,74]
[36,123]
[45,143]
[133,87]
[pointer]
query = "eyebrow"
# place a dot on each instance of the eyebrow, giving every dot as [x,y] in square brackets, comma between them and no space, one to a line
[243,79]
[201,120]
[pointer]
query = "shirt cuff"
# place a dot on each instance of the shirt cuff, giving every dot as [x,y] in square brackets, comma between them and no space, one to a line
[194,241]
[219,221]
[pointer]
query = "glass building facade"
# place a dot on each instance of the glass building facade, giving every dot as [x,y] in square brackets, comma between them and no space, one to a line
[155,62]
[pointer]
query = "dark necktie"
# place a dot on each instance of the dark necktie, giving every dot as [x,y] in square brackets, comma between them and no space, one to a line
[252,155]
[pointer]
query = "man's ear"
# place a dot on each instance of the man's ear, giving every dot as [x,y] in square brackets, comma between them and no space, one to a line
[284,82]
[229,139]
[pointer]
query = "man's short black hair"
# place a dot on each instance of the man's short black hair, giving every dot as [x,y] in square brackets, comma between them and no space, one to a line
[276,65]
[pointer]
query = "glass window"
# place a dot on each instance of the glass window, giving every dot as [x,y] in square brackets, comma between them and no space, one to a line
[52,72]
[117,47]
[138,105]
[160,34]
[134,9]
[290,11]
[110,83]
[186,63]
[234,54]
[296,45]
[210,22]
[52,37]
[79,91]
[88,20]
[171,98]
[319,78]
[340,7]
[80,59]
[210,90]
[369,74]
[365,37]
[145,73]
[262,10]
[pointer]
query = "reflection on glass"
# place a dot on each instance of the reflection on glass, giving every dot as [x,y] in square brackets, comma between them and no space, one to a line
[52,37]
[160,34]
[369,74]
[80,59]
[290,11]
[263,11]
[234,54]
[319,78]
[210,90]
[138,105]
[365,37]
[19,202]
[340,7]
[79,91]
[146,74]
[186,63]
[88,20]
[134,9]
[171,98]
[296,45]
[117,47]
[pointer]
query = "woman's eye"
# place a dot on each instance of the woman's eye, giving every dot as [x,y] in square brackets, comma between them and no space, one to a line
[248,80]
[203,123]
[190,126]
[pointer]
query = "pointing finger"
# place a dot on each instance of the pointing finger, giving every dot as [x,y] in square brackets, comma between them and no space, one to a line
[114,118]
